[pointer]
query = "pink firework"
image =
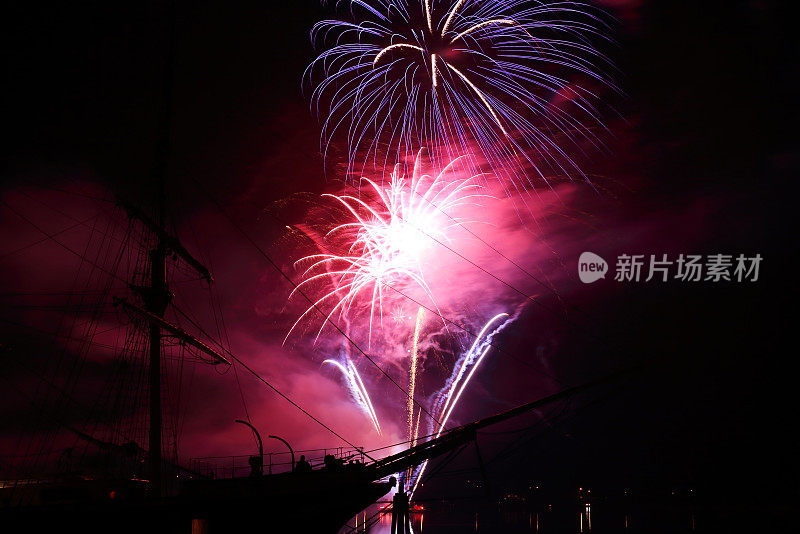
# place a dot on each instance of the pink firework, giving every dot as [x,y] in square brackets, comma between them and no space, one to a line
[384,245]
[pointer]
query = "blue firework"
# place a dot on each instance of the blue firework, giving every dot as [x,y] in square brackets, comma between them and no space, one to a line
[460,77]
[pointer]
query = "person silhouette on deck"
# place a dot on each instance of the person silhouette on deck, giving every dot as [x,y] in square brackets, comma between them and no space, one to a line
[256,466]
[302,465]
[333,463]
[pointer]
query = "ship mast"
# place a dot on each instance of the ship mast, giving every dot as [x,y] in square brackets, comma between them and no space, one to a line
[156,304]
[156,298]
[158,295]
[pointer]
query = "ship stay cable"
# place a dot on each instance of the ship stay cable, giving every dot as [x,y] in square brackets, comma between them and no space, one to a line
[77,365]
[263,380]
[181,251]
[89,438]
[113,274]
[216,309]
[263,253]
[564,397]
[315,306]
[51,236]
[433,310]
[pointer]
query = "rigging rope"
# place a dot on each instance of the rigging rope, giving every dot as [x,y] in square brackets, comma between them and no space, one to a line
[328,319]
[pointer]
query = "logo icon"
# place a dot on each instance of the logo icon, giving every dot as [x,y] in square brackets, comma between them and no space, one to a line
[591,267]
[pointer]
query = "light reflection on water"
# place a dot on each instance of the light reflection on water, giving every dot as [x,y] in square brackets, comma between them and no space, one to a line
[584,511]
[546,521]
[585,518]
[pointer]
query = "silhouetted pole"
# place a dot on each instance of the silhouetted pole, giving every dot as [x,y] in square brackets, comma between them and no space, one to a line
[158,298]
[401,520]
[260,444]
[156,302]
[287,445]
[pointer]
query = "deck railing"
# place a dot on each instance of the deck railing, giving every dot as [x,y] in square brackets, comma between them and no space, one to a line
[274,462]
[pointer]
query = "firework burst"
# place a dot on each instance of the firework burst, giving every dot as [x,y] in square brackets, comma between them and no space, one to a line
[463,76]
[385,243]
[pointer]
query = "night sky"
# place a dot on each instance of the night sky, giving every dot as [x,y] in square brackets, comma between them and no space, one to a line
[702,152]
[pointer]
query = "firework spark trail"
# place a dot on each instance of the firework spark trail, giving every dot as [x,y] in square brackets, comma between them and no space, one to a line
[468,358]
[459,75]
[412,382]
[416,429]
[448,394]
[387,239]
[357,389]
[412,373]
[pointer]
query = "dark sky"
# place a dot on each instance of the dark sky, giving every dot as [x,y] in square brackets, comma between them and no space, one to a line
[701,157]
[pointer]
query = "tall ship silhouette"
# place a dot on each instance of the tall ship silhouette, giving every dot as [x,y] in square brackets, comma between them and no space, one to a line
[121,471]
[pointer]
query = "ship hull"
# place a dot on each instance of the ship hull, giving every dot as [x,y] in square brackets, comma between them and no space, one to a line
[318,502]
